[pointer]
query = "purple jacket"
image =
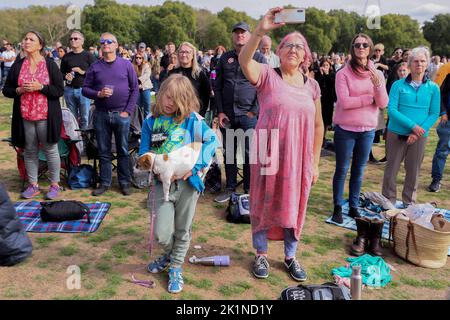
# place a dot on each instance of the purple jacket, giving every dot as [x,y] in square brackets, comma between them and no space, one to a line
[121,75]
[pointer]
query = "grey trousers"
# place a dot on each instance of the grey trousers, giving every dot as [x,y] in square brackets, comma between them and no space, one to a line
[35,134]
[174,219]
[398,151]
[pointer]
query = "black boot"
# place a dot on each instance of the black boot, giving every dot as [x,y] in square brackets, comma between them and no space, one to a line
[360,243]
[354,213]
[375,231]
[337,215]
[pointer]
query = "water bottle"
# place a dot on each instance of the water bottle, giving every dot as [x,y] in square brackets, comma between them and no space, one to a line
[211,261]
[73,75]
[356,282]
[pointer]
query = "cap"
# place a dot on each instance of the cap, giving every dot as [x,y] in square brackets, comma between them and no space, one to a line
[142,45]
[241,25]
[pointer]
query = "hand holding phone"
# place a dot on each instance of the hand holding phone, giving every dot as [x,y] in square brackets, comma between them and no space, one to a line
[291,16]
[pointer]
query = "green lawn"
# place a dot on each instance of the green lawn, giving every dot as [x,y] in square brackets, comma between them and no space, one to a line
[108,257]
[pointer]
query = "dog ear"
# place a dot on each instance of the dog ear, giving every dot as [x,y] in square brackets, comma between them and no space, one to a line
[145,161]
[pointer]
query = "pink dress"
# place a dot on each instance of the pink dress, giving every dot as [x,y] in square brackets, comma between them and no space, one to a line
[281,179]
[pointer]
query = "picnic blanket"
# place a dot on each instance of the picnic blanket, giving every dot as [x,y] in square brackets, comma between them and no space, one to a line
[349,223]
[28,213]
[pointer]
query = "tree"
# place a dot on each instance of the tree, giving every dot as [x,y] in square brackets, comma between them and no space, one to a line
[398,31]
[437,33]
[211,31]
[109,16]
[349,24]
[230,17]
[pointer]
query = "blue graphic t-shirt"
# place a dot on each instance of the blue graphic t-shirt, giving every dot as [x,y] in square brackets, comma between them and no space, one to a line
[167,135]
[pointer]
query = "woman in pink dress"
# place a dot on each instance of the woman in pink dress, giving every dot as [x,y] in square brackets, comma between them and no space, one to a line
[286,145]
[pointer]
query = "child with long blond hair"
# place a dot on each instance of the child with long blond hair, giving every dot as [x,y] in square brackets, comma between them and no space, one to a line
[174,123]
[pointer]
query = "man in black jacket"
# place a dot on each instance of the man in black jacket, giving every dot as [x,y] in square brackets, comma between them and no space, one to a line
[15,245]
[237,106]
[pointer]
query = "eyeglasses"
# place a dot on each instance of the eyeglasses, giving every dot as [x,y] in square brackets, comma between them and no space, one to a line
[106,41]
[74,39]
[364,45]
[291,46]
[185,52]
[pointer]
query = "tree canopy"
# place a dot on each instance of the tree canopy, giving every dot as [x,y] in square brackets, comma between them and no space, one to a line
[176,21]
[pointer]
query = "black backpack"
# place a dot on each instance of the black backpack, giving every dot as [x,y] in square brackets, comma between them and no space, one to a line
[238,210]
[326,291]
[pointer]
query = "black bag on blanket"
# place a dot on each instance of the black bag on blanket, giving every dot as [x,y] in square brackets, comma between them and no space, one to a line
[326,291]
[64,210]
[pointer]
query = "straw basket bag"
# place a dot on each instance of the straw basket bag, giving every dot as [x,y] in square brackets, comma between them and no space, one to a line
[419,245]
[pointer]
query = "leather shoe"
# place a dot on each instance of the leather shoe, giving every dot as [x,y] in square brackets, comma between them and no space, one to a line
[100,190]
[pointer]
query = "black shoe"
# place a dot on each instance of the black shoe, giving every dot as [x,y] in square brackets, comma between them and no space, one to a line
[100,190]
[337,215]
[435,186]
[354,213]
[126,190]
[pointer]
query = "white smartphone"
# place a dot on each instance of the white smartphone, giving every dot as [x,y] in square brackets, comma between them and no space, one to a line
[296,15]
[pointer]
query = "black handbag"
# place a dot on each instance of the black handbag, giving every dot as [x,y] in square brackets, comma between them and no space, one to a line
[64,210]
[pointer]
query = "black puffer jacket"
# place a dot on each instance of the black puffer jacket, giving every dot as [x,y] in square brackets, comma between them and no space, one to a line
[15,245]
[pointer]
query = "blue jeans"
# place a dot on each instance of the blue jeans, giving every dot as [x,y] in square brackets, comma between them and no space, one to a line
[5,74]
[290,243]
[155,83]
[143,101]
[106,123]
[239,122]
[78,104]
[348,144]
[442,151]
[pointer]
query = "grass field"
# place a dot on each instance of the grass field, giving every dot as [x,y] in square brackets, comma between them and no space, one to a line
[108,257]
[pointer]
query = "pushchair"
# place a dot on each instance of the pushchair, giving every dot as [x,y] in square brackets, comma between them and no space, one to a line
[134,139]
[69,147]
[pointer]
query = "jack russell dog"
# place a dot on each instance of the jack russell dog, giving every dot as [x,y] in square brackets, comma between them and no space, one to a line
[171,166]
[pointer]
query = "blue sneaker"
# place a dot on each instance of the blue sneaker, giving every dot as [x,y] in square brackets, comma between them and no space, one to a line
[175,280]
[159,265]
[295,270]
[261,267]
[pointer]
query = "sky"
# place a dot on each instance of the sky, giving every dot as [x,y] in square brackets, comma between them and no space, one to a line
[420,10]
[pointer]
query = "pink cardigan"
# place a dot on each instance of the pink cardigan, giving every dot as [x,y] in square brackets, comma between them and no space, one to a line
[355,94]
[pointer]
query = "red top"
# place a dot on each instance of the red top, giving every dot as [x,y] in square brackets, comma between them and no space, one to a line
[34,105]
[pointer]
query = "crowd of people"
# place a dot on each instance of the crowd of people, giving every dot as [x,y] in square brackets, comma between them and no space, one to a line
[291,91]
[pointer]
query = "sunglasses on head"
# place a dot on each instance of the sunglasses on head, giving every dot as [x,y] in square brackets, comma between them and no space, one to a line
[74,39]
[106,41]
[364,45]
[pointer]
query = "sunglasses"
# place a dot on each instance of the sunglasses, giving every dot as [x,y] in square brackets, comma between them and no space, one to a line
[138,58]
[377,50]
[75,39]
[364,45]
[106,41]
